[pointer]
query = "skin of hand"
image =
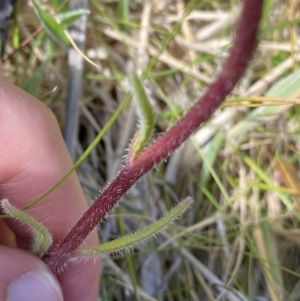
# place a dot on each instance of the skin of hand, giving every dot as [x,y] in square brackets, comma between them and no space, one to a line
[33,156]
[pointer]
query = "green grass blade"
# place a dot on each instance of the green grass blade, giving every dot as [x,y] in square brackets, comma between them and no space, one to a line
[264,177]
[269,262]
[268,5]
[33,84]
[281,25]
[123,12]
[128,258]
[55,30]
[209,152]
[67,18]
[288,87]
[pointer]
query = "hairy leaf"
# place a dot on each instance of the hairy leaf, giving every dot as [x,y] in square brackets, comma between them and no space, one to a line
[42,239]
[127,242]
[145,114]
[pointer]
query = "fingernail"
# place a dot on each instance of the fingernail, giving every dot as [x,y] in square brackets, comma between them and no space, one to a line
[35,286]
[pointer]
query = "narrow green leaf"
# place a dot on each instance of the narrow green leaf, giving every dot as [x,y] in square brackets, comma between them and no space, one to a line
[210,151]
[271,247]
[145,114]
[286,200]
[42,239]
[129,260]
[67,18]
[266,250]
[51,26]
[281,25]
[123,12]
[34,82]
[268,5]
[123,244]
[288,87]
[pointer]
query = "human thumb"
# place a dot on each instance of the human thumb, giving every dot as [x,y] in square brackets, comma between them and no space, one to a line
[24,277]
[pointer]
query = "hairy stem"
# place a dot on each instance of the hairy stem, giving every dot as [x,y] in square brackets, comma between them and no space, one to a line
[232,70]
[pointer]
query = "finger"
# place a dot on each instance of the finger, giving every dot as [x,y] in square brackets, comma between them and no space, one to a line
[7,237]
[33,157]
[25,277]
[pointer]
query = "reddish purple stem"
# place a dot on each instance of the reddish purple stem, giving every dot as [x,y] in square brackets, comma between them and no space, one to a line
[232,71]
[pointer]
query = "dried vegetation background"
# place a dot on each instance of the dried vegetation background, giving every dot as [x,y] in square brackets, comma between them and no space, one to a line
[240,239]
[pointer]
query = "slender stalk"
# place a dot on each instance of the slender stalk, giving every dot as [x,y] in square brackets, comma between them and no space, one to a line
[232,70]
